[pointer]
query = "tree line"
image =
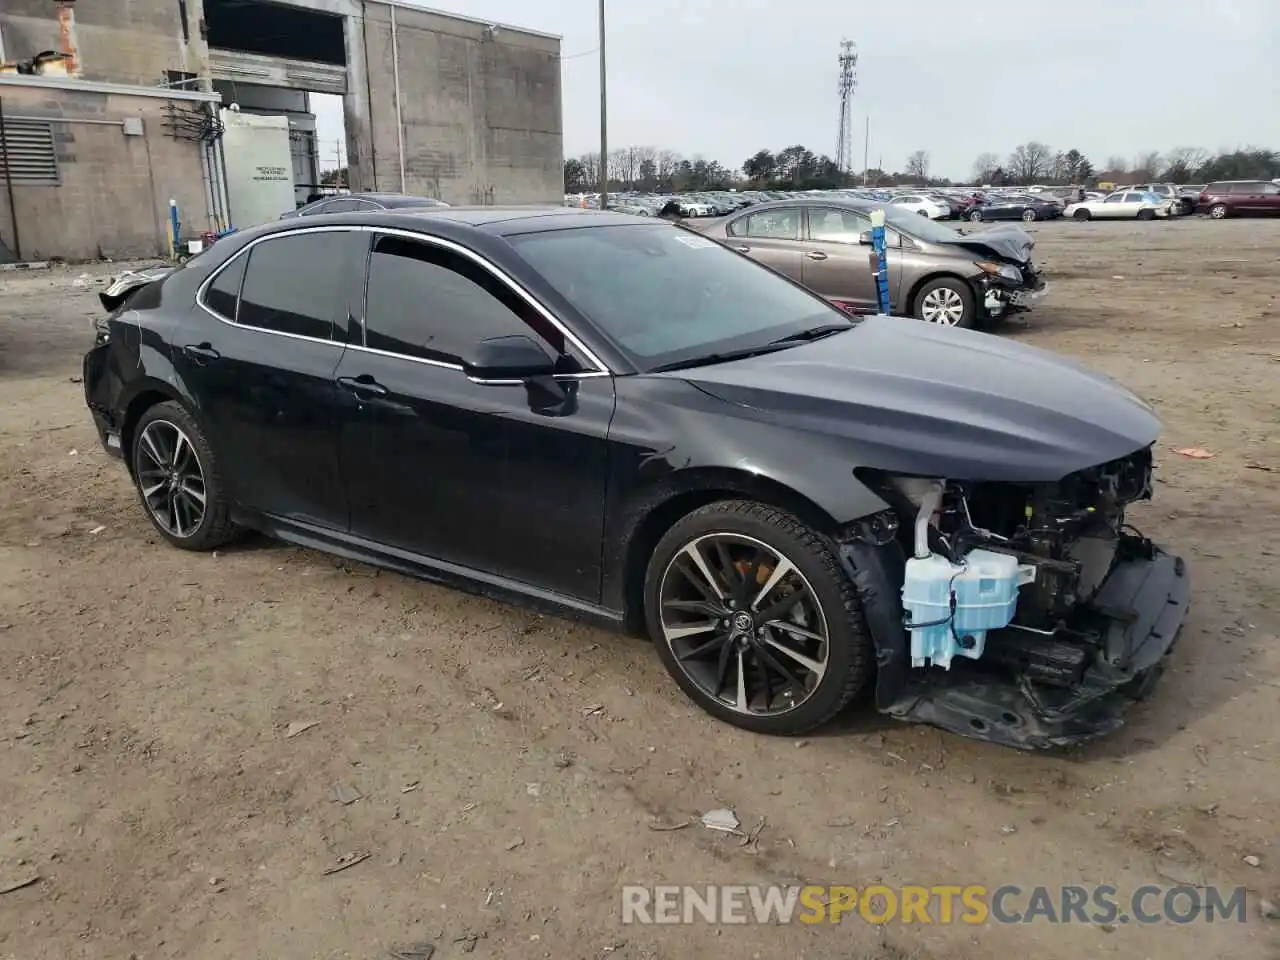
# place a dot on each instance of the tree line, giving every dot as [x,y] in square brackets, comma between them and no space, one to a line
[654,170]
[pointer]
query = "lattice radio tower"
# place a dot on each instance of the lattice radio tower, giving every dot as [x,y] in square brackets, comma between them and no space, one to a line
[848,80]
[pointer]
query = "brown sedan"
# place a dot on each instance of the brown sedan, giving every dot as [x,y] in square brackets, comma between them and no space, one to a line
[935,272]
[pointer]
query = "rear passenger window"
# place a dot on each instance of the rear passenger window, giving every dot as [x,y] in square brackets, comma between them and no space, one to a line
[294,284]
[221,295]
[770,225]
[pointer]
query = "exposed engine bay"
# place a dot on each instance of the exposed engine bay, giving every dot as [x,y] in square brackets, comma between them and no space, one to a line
[1027,609]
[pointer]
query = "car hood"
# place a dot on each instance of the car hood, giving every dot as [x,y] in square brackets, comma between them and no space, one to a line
[1011,243]
[918,399]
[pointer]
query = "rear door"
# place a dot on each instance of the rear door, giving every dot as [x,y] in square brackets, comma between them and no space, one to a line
[259,361]
[836,264]
[1111,207]
[771,237]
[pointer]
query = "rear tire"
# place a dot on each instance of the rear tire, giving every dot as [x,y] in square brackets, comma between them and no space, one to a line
[1029,216]
[1218,211]
[176,473]
[831,637]
[975,216]
[1146,214]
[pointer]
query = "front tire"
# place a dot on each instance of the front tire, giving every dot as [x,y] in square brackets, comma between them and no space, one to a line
[975,216]
[1146,214]
[948,302]
[1028,216]
[176,473]
[1082,215]
[755,620]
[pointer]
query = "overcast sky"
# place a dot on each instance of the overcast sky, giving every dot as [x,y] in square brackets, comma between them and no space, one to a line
[725,79]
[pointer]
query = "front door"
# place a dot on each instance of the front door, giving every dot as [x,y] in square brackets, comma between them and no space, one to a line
[836,264]
[258,356]
[771,237]
[489,476]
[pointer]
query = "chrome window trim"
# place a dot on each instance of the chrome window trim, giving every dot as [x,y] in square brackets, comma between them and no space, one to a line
[601,370]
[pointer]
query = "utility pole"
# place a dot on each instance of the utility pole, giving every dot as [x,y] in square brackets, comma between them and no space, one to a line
[848,80]
[866,150]
[604,121]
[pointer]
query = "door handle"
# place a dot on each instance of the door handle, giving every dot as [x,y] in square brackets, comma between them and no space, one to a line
[363,384]
[201,353]
[743,249]
[816,255]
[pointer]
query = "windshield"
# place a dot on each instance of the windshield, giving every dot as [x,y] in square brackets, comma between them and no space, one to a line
[665,295]
[914,225]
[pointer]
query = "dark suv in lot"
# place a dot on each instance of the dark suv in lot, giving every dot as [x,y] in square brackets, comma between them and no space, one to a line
[1240,198]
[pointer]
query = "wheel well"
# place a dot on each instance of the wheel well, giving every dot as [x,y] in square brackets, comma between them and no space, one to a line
[920,284]
[139,405]
[664,513]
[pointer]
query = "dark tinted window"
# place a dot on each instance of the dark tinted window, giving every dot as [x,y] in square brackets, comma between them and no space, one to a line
[340,206]
[425,301]
[294,284]
[220,297]
[666,295]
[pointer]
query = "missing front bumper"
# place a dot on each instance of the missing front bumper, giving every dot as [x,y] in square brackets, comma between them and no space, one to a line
[1144,602]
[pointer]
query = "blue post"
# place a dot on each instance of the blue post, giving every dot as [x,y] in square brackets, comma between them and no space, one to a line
[175,226]
[880,261]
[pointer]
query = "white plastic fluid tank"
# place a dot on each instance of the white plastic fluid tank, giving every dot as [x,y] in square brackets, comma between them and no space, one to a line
[926,599]
[259,167]
[986,594]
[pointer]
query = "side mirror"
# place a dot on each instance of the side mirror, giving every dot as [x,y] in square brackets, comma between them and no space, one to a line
[515,357]
[864,238]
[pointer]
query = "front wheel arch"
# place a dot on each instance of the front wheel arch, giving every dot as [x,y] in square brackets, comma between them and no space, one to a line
[698,489]
[908,305]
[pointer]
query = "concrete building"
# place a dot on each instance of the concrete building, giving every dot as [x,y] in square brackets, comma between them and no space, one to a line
[434,104]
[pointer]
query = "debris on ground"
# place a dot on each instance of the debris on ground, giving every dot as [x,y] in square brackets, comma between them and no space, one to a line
[299,726]
[20,884]
[346,794]
[346,862]
[1193,453]
[97,530]
[1255,465]
[415,951]
[1252,861]
[1008,828]
[515,844]
[1268,910]
[662,827]
[411,786]
[722,819]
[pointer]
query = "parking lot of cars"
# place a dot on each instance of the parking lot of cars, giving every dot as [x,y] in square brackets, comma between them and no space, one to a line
[324,760]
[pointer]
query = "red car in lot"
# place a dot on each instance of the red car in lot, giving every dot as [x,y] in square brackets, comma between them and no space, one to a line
[1240,198]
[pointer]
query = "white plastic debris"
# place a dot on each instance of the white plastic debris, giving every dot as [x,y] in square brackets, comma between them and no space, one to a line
[723,819]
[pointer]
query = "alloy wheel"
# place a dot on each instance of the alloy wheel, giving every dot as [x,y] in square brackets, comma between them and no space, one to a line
[171,478]
[743,624]
[1028,215]
[1218,211]
[943,305]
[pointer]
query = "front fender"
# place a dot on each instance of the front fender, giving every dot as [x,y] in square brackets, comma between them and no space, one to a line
[671,443]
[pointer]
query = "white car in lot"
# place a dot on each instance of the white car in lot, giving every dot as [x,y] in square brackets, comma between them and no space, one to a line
[1122,205]
[925,206]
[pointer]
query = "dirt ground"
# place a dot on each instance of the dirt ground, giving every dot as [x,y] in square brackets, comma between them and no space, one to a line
[511,767]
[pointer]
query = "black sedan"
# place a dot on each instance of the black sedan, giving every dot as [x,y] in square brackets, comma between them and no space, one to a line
[627,421]
[1027,208]
[366,202]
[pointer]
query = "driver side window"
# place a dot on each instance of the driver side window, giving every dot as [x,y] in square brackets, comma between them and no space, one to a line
[430,303]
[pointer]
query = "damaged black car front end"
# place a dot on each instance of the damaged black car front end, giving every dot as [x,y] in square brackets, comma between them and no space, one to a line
[1006,593]
[1098,611]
